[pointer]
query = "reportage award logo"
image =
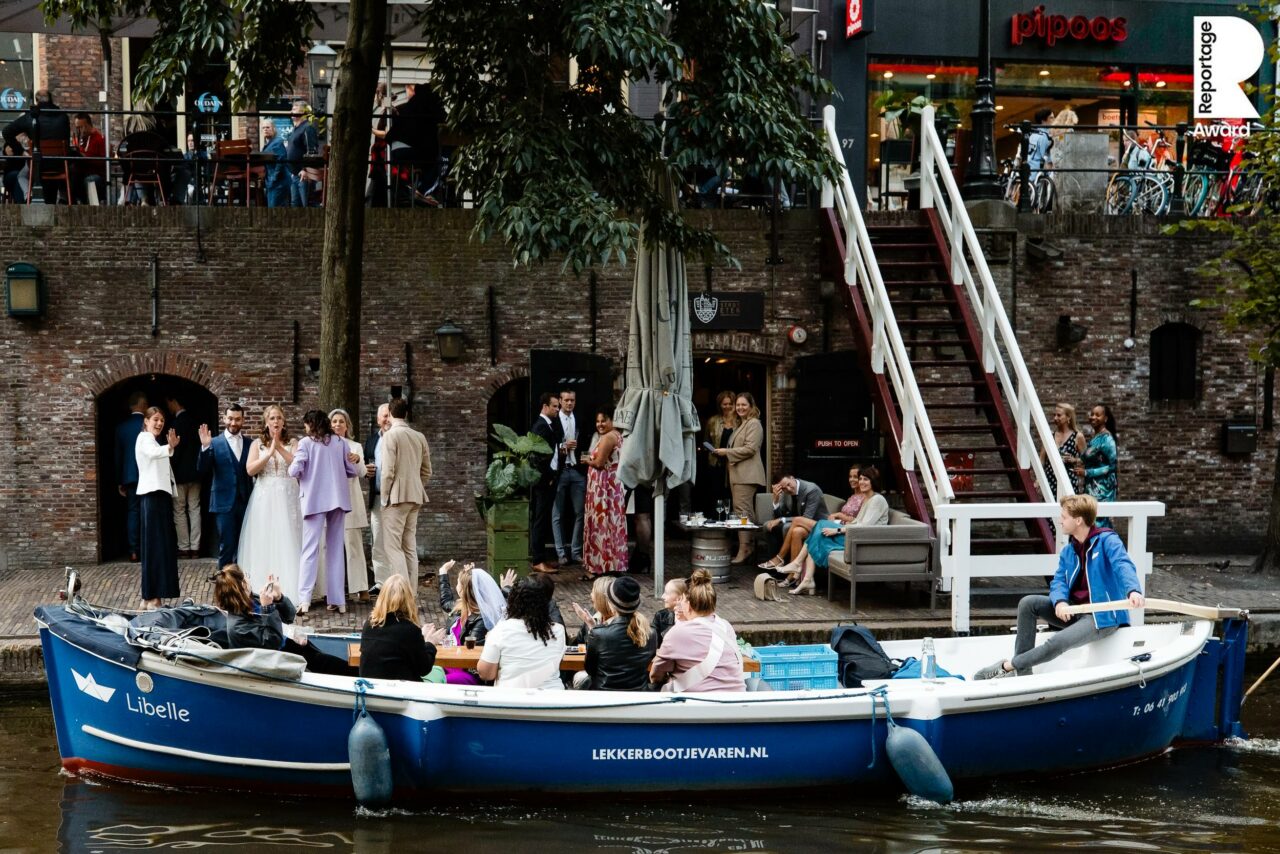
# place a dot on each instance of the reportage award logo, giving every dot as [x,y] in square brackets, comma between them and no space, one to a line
[1228,51]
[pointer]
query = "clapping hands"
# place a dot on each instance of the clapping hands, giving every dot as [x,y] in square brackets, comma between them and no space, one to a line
[508,579]
[433,634]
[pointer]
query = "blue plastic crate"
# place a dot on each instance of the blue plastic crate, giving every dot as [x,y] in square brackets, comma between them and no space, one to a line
[798,668]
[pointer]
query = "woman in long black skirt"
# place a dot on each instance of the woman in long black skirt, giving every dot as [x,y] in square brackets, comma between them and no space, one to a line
[155,510]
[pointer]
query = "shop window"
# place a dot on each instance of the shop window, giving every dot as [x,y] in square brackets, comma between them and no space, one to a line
[16,75]
[1175,351]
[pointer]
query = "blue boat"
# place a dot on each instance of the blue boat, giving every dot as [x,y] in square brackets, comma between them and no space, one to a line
[170,710]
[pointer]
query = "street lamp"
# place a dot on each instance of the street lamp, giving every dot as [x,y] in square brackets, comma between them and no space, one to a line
[321,60]
[980,178]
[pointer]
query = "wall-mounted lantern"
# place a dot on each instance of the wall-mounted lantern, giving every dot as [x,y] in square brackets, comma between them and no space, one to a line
[24,290]
[449,342]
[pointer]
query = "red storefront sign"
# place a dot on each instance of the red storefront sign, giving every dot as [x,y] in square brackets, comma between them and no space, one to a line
[853,18]
[1038,24]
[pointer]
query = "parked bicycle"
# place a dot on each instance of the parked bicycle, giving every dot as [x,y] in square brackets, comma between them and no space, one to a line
[1144,184]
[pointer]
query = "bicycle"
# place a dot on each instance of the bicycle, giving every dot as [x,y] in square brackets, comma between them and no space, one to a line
[1145,185]
[1044,192]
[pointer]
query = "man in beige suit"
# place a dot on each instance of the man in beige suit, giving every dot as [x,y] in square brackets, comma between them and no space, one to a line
[406,468]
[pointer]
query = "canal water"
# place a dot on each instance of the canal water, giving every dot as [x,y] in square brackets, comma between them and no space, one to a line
[1196,799]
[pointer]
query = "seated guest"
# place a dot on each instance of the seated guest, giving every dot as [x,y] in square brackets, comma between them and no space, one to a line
[256,621]
[46,124]
[599,601]
[1092,567]
[479,605]
[673,599]
[797,506]
[392,644]
[793,542]
[525,649]
[828,536]
[699,654]
[620,649]
[91,145]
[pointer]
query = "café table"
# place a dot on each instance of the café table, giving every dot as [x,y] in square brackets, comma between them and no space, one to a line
[713,544]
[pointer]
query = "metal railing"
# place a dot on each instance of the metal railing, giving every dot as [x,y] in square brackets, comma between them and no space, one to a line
[960,567]
[918,446]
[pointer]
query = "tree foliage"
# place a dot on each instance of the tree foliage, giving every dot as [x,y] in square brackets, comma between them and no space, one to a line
[566,170]
[263,42]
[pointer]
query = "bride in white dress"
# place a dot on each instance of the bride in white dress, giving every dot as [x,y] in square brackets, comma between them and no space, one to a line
[271,539]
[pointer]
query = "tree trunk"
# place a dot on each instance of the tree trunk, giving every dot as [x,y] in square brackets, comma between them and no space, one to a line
[341,273]
[1269,560]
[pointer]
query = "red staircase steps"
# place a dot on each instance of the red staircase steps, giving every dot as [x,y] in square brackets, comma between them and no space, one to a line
[963,401]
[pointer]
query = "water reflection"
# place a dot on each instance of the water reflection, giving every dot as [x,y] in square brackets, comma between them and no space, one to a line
[1204,799]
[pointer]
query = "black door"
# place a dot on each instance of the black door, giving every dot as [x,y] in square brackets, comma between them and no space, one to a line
[590,376]
[835,424]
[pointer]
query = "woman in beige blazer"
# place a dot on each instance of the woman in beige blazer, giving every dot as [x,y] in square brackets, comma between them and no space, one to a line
[746,470]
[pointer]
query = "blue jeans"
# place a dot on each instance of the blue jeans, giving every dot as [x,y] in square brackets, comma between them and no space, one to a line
[571,494]
[301,191]
[278,195]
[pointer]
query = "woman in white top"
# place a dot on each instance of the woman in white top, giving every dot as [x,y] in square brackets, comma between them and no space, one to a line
[358,519]
[155,511]
[271,537]
[525,649]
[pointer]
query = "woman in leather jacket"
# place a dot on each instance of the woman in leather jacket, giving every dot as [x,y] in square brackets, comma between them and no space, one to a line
[620,649]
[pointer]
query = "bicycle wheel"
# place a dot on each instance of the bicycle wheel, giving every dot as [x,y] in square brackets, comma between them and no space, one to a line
[1150,196]
[1120,193]
[1046,195]
[1195,190]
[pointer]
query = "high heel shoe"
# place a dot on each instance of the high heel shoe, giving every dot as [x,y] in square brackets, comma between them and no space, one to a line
[804,588]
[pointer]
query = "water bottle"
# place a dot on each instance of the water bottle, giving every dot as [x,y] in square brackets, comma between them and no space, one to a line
[928,660]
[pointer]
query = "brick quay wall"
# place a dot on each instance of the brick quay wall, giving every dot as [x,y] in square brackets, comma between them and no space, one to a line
[239,296]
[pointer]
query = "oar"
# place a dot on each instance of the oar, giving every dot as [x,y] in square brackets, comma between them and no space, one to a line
[1261,679]
[1205,612]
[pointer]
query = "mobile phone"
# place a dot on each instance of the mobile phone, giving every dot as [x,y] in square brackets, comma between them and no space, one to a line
[708,446]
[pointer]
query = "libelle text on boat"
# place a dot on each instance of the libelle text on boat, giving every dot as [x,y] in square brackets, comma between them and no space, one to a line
[616,754]
[167,710]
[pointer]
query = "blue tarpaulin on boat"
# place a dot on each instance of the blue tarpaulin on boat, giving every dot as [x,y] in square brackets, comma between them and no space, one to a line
[88,636]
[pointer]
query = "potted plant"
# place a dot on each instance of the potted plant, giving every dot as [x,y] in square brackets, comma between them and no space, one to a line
[504,504]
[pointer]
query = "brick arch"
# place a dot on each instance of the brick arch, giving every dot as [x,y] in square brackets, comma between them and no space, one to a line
[121,368]
[748,344]
[503,376]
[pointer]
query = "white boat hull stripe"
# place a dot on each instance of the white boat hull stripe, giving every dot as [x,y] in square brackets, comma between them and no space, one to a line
[214,757]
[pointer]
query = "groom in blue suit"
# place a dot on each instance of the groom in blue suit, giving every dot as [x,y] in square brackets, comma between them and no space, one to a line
[226,455]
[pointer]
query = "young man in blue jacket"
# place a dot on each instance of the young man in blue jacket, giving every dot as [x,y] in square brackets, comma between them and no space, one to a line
[1092,567]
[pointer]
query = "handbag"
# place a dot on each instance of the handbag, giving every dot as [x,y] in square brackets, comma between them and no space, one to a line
[766,588]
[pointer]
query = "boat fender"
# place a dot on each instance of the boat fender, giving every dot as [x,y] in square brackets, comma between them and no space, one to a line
[369,755]
[915,762]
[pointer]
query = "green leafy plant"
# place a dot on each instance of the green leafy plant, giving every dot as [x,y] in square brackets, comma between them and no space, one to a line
[513,469]
[902,109]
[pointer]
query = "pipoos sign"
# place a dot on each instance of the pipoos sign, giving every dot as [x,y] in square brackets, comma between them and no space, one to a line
[1050,29]
[1228,52]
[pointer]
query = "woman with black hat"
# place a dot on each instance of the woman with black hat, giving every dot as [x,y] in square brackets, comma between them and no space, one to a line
[620,649]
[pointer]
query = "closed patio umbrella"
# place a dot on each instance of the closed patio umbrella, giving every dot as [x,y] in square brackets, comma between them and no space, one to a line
[656,413]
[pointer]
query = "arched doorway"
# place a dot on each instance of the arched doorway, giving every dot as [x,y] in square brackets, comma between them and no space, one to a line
[509,405]
[112,408]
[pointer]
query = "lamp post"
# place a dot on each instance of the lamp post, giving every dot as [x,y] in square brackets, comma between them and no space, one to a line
[980,178]
[321,60]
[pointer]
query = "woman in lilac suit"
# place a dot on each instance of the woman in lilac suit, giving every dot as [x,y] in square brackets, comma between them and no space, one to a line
[321,466]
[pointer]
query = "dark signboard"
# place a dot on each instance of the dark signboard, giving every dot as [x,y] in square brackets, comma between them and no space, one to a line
[725,310]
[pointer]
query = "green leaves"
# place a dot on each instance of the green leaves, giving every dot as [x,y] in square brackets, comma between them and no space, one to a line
[263,42]
[512,468]
[561,170]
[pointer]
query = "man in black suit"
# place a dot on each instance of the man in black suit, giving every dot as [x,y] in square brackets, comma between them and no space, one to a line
[543,495]
[373,469]
[127,466]
[186,477]
[793,497]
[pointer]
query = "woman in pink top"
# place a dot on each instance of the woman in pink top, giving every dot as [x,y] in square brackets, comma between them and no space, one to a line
[699,654]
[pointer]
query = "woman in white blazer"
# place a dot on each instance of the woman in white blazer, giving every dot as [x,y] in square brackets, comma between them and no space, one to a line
[155,511]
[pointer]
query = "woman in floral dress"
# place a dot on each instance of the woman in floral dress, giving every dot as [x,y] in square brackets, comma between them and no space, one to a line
[604,527]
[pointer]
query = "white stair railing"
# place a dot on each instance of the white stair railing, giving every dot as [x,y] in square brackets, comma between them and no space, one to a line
[919,447]
[998,347]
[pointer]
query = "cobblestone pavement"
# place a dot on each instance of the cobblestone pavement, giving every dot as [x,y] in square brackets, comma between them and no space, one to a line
[1215,580]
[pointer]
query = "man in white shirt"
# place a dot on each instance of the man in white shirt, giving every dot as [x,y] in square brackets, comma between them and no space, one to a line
[226,455]
[373,450]
[571,488]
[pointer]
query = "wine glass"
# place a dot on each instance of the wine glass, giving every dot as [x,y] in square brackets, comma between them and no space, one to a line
[721,509]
